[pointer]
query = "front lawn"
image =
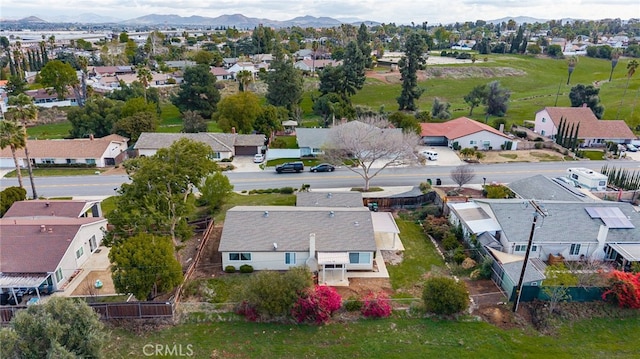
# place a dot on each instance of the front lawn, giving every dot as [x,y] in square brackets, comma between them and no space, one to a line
[49,172]
[420,257]
[388,338]
[594,155]
[279,161]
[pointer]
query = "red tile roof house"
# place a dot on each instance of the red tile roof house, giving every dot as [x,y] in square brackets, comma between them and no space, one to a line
[43,252]
[105,151]
[592,131]
[466,132]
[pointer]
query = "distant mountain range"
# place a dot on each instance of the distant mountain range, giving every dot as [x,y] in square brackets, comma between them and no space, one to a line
[236,20]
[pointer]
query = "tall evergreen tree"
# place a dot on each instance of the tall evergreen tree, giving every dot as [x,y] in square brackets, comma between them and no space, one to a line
[285,83]
[409,65]
[354,67]
[364,43]
[560,129]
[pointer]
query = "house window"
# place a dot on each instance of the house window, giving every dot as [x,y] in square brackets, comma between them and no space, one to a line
[239,256]
[216,156]
[316,150]
[58,275]
[360,258]
[602,183]
[575,249]
[71,161]
[544,120]
[48,160]
[521,247]
[473,142]
[79,252]
[289,258]
[90,161]
[534,248]
[543,132]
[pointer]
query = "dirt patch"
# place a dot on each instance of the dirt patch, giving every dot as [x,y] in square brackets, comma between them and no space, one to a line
[392,257]
[393,77]
[521,156]
[360,287]
[87,286]
[210,264]
[462,192]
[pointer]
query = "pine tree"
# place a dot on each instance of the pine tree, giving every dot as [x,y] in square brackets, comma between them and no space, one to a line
[409,65]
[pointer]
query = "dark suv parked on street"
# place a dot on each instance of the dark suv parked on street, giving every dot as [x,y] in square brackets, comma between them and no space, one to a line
[290,167]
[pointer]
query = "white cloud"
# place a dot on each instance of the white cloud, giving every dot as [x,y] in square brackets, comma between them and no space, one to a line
[399,12]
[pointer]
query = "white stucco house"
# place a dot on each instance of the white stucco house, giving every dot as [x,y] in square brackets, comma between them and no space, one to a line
[224,145]
[466,133]
[592,131]
[101,152]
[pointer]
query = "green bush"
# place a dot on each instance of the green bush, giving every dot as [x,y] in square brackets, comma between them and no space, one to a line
[353,304]
[485,269]
[10,195]
[538,145]
[230,269]
[271,295]
[450,242]
[442,295]
[425,187]
[246,268]
[459,256]
[287,190]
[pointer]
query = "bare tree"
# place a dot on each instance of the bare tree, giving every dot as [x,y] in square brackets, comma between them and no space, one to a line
[462,175]
[370,145]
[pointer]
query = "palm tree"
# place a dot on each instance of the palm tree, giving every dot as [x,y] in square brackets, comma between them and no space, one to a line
[631,69]
[615,55]
[572,62]
[144,76]
[244,77]
[314,47]
[11,136]
[24,110]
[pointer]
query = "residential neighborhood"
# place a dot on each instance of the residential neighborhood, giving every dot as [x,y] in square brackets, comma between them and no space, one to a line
[220,187]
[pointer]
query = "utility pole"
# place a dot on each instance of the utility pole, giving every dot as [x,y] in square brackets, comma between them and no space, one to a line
[539,212]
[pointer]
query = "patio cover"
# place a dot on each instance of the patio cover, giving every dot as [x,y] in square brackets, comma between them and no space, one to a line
[384,222]
[22,280]
[630,252]
[333,258]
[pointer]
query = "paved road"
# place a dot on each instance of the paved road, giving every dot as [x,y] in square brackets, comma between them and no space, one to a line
[101,185]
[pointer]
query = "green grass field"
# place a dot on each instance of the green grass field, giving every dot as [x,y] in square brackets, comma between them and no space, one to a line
[387,338]
[48,172]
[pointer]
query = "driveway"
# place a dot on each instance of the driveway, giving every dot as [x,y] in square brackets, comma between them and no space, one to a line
[245,164]
[446,156]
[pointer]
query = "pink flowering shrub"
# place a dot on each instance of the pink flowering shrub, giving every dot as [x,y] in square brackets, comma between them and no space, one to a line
[248,311]
[316,305]
[376,305]
[624,289]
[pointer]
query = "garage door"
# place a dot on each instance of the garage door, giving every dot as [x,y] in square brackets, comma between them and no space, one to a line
[435,141]
[8,163]
[246,150]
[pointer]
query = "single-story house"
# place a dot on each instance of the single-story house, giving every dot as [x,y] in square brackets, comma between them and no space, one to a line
[220,73]
[311,140]
[101,152]
[592,132]
[310,65]
[45,252]
[49,98]
[110,70]
[180,64]
[243,66]
[474,221]
[575,230]
[224,145]
[326,239]
[466,133]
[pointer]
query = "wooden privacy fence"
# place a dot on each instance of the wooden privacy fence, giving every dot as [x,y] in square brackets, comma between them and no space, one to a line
[107,311]
[134,310]
[401,202]
[194,263]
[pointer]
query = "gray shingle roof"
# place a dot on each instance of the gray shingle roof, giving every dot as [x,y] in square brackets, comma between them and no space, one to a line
[329,199]
[311,137]
[219,142]
[543,188]
[248,228]
[567,222]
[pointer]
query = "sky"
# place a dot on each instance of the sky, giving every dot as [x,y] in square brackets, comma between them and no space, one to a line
[387,11]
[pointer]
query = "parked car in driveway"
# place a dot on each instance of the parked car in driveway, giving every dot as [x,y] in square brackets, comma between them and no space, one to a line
[290,167]
[323,167]
[631,148]
[258,158]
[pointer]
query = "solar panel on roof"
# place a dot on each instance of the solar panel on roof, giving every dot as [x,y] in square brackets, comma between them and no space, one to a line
[611,216]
